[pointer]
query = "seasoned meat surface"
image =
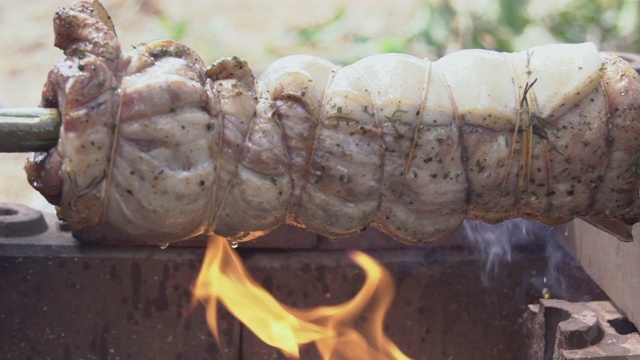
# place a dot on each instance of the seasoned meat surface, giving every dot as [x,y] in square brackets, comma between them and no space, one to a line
[157,147]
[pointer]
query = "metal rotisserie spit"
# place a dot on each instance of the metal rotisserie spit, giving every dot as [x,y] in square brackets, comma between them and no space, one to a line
[152,147]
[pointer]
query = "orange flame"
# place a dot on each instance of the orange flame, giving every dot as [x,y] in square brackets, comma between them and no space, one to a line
[223,279]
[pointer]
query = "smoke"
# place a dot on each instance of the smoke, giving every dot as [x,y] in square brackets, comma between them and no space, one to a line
[565,275]
[496,243]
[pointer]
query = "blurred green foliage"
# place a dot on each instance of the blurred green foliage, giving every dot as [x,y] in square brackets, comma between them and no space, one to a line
[314,33]
[611,23]
[442,26]
[176,30]
[508,25]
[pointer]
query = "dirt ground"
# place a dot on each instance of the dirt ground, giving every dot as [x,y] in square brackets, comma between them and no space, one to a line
[258,31]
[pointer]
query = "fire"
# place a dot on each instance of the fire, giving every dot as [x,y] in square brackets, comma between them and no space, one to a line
[224,280]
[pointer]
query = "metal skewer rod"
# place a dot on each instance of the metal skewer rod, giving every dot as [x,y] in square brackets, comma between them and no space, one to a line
[28,129]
